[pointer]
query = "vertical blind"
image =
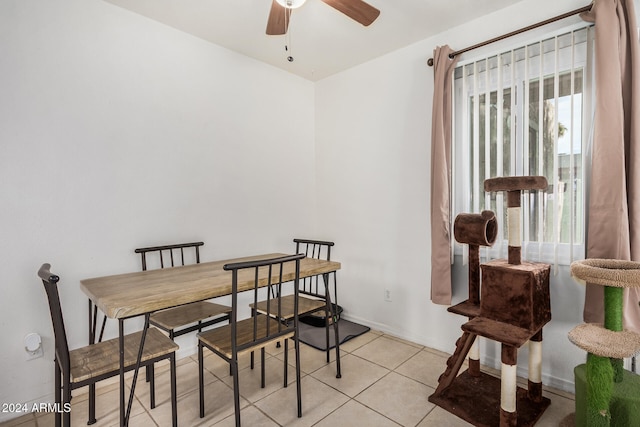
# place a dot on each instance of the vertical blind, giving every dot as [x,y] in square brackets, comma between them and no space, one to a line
[527,111]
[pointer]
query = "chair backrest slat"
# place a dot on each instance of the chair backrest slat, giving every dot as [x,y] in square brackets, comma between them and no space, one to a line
[313,249]
[167,250]
[50,282]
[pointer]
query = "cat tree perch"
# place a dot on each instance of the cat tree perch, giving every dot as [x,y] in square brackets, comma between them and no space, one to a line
[605,393]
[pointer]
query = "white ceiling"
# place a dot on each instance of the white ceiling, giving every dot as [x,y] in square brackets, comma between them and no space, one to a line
[321,40]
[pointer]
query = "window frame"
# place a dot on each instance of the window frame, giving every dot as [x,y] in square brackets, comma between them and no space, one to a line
[551,252]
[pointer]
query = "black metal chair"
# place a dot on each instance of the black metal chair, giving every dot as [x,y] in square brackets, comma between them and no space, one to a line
[96,362]
[191,315]
[314,296]
[255,332]
[170,320]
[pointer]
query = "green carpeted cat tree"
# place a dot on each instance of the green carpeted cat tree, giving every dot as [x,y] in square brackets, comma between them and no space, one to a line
[607,394]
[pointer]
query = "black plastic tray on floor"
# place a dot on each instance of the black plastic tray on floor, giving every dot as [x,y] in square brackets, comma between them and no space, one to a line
[318,319]
[317,337]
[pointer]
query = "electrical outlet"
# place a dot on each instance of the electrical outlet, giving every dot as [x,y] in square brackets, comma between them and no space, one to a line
[33,346]
[387,295]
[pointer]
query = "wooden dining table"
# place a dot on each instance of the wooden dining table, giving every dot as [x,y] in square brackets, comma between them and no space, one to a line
[128,295]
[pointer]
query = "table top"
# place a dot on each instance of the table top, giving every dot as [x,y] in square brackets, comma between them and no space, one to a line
[132,294]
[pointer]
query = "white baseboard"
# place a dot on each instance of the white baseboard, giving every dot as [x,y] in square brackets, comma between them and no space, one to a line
[186,351]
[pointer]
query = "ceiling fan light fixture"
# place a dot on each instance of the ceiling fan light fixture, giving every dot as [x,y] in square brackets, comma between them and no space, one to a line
[291,4]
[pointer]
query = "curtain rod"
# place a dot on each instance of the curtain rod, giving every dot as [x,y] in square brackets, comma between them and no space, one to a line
[513,33]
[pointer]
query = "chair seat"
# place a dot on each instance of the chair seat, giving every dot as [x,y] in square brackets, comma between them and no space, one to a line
[175,317]
[104,357]
[219,339]
[305,306]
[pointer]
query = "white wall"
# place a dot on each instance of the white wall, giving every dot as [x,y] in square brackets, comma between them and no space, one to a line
[118,132]
[373,157]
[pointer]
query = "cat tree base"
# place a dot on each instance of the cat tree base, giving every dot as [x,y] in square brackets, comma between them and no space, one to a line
[625,399]
[475,399]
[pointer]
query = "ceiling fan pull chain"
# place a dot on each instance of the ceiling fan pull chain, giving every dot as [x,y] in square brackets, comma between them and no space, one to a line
[287,38]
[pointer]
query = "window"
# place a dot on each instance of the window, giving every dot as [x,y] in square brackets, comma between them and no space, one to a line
[525,112]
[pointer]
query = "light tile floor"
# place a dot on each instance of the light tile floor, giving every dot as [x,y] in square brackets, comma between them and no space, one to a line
[386,381]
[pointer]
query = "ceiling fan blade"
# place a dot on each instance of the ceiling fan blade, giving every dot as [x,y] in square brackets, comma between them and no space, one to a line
[357,10]
[278,19]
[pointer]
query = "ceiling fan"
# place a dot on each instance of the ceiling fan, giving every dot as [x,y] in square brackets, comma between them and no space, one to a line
[280,13]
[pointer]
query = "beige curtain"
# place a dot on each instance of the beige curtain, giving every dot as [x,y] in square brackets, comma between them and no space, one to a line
[441,176]
[614,198]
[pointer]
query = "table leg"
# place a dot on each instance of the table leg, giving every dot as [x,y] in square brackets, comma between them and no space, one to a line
[93,312]
[92,325]
[124,415]
[121,348]
[325,278]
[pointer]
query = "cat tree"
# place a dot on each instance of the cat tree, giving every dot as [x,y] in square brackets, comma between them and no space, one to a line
[513,307]
[606,394]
